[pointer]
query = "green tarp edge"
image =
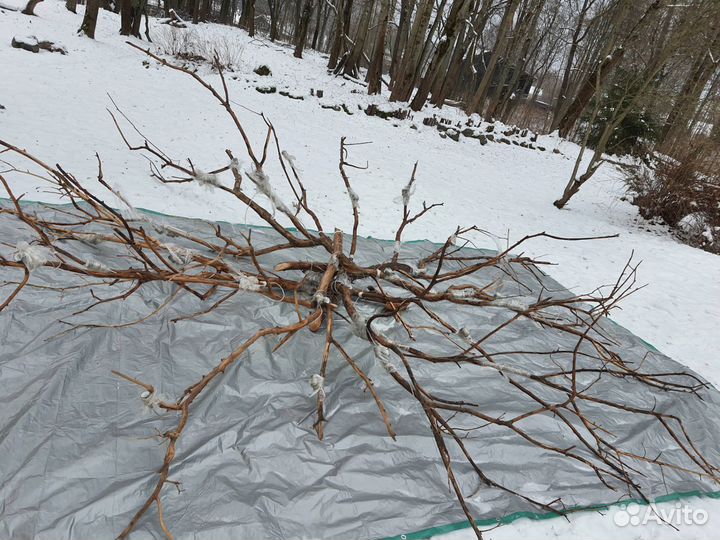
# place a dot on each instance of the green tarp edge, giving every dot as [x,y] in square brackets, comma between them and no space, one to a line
[450,527]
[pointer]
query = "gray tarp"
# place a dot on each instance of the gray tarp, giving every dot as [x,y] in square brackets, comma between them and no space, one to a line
[78,452]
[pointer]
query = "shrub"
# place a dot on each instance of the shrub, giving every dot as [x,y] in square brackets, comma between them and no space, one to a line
[683,191]
[194,45]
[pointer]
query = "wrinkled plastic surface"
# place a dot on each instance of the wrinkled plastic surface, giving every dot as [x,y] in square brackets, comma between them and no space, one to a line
[79,451]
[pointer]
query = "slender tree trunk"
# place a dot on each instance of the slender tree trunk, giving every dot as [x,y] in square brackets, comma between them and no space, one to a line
[248,17]
[406,7]
[206,10]
[351,63]
[374,75]
[603,70]
[89,21]
[478,100]
[564,85]
[454,20]
[687,101]
[316,30]
[405,77]
[273,9]
[301,30]
[342,25]
[71,5]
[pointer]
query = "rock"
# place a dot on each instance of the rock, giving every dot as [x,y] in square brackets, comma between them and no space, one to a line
[32,44]
[374,110]
[430,121]
[319,93]
[468,132]
[556,151]
[541,148]
[443,135]
[289,95]
[504,140]
[490,137]
[453,134]
[483,139]
[28,43]
[52,47]
[490,128]
[266,89]
[442,127]
[524,133]
[337,108]
[262,70]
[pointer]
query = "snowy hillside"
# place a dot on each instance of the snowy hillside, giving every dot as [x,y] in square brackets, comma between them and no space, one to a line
[55,105]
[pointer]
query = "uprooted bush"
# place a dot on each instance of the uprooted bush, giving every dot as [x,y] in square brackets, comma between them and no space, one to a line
[331,285]
[684,192]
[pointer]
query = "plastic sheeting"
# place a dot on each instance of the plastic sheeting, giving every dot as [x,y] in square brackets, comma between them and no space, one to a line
[79,449]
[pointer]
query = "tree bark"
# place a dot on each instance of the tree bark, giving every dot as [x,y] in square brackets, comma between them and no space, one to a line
[374,75]
[71,5]
[478,100]
[301,30]
[351,63]
[565,84]
[89,21]
[404,80]
[30,7]
[453,23]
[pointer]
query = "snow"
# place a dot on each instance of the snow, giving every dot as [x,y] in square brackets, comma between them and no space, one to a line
[55,107]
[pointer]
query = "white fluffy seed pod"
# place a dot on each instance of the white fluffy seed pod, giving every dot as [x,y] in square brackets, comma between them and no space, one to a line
[32,256]
[317,383]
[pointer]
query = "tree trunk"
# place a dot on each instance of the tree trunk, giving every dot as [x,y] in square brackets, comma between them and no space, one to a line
[273,8]
[565,84]
[374,75]
[453,23]
[687,101]
[248,17]
[206,10]
[404,81]
[406,7]
[587,90]
[603,69]
[351,63]
[301,30]
[71,5]
[342,25]
[90,19]
[126,17]
[316,31]
[478,100]
[30,7]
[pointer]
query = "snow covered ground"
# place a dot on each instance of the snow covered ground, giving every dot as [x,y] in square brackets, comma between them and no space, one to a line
[55,106]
